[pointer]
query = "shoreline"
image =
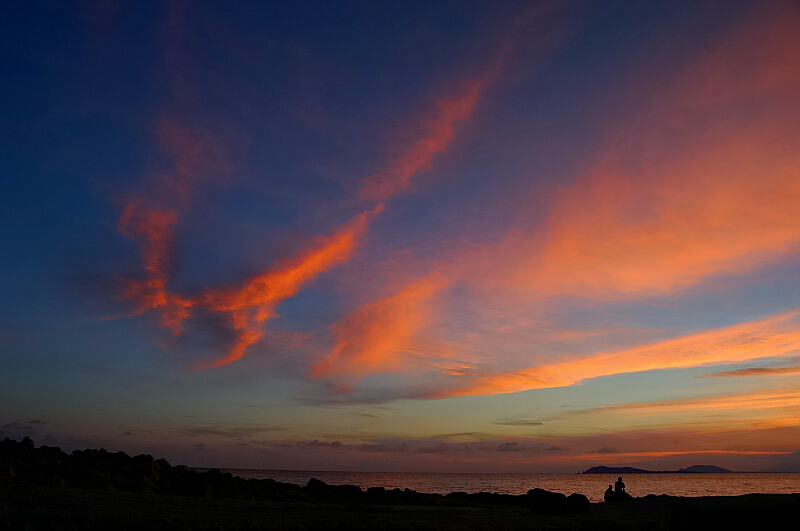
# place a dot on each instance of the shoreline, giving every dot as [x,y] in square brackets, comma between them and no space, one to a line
[45,488]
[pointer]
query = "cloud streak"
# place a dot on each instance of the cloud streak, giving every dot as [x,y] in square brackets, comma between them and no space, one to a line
[775,336]
[153,231]
[753,371]
[249,307]
[419,157]
[150,219]
[378,336]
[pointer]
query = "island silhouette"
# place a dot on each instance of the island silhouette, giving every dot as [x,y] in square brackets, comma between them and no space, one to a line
[694,469]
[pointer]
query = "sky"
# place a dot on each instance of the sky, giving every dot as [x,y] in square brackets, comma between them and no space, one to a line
[408,236]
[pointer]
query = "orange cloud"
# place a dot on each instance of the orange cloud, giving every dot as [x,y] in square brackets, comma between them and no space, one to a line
[255,303]
[755,401]
[374,337]
[778,335]
[728,208]
[249,307]
[196,154]
[419,157]
[704,180]
[152,229]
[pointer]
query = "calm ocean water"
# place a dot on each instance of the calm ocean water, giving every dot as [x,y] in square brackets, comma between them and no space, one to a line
[592,485]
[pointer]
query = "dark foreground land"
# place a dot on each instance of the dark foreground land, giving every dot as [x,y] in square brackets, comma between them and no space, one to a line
[44,488]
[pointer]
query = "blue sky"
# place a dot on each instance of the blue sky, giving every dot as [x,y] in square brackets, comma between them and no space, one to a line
[450,236]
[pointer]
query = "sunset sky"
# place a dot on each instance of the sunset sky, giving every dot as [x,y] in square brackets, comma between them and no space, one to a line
[403,236]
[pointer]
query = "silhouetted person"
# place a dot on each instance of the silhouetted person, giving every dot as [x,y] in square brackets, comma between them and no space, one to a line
[609,495]
[619,486]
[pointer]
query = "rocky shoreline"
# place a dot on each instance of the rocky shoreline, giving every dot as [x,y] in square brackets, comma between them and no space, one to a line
[23,463]
[46,488]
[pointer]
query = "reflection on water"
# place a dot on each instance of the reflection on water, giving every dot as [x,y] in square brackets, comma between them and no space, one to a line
[592,485]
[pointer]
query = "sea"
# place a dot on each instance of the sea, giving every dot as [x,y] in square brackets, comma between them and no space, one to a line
[592,485]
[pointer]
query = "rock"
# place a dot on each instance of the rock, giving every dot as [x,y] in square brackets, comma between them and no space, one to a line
[547,503]
[320,491]
[349,494]
[622,496]
[459,495]
[379,496]
[143,465]
[23,463]
[577,503]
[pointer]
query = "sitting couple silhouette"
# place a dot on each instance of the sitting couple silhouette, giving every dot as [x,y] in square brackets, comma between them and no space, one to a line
[617,493]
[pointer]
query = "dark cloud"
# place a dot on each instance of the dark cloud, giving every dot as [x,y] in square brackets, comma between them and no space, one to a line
[474,434]
[435,449]
[521,422]
[607,450]
[232,432]
[508,447]
[318,443]
[374,448]
[126,433]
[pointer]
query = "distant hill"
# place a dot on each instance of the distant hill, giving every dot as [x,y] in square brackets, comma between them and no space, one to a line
[694,469]
[787,463]
[615,470]
[704,469]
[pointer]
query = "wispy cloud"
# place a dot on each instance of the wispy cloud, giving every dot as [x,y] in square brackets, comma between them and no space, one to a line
[778,335]
[249,307]
[520,422]
[658,212]
[419,157]
[772,399]
[149,218]
[153,231]
[753,371]
[375,336]
[701,181]
[235,432]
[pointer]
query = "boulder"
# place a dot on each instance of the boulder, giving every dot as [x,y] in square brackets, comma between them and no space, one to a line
[577,503]
[320,491]
[349,493]
[547,503]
